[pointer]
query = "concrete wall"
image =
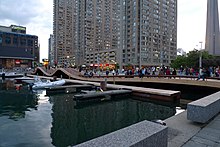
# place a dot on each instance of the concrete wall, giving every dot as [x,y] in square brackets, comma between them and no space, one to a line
[204,109]
[142,134]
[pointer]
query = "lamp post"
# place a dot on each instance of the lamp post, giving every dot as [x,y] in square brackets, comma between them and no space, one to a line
[200,56]
[67,58]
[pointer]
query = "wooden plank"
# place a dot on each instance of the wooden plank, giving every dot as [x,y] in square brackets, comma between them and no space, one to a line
[133,88]
[69,86]
[97,95]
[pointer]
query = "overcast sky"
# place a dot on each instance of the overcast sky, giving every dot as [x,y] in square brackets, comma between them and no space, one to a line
[37,17]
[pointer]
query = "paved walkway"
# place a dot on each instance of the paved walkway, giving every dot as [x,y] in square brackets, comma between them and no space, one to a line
[185,133]
[209,136]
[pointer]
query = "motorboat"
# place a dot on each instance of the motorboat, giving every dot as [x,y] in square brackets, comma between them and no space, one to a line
[43,85]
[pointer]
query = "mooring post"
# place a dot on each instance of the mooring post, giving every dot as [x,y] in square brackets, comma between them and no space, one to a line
[3,76]
[103,85]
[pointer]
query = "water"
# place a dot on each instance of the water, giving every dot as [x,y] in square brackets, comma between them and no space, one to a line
[33,119]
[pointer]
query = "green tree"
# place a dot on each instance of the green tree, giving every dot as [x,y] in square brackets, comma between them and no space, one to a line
[180,60]
[192,60]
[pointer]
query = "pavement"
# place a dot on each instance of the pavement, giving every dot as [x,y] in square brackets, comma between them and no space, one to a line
[209,136]
[185,133]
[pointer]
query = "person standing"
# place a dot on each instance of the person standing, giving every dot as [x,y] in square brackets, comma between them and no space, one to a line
[201,74]
[113,72]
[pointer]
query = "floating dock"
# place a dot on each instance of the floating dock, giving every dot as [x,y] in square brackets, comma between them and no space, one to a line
[141,93]
[68,89]
[105,95]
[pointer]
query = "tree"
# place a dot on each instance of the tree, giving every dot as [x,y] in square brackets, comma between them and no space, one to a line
[180,60]
[192,60]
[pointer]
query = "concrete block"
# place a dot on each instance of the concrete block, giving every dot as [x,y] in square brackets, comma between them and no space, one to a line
[142,134]
[204,109]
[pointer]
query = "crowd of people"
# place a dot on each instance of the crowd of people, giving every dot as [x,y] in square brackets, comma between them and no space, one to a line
[201,73]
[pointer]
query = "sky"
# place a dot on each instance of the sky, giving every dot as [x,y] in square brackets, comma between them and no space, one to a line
[37,17]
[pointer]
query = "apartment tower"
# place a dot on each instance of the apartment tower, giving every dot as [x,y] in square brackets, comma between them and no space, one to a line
[123,32]
[51,52]
[99,31]
[151,32]
[64,30]
[212,42]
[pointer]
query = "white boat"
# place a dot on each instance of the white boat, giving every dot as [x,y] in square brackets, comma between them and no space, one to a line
[25,80]
[10,74]
[42,85]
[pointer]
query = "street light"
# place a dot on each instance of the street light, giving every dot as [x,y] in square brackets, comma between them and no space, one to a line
[67,60]
[200,56]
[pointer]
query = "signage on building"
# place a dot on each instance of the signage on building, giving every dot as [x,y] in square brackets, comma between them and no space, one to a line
[18,28]
[17,61]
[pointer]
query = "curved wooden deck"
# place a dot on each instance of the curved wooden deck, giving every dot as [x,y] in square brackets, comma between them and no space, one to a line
[70,73]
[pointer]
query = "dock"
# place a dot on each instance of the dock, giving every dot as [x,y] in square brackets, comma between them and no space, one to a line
[105,95]
[68,89]
[141,93]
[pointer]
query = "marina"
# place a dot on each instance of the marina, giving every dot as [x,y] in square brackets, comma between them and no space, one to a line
[59,120]
[82,109]
[148,93]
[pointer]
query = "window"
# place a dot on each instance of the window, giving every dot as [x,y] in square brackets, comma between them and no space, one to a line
[8,40]
[23,41]
[30,42]
[15,40]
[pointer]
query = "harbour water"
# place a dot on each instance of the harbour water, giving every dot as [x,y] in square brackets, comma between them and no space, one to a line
[33,119]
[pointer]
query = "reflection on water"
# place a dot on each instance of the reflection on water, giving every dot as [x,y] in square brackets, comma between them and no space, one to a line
[91,121]
[60,121]
[14,102]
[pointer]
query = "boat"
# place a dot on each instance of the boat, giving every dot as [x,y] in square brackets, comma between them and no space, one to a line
[10,75]
[47,84]
[25,79]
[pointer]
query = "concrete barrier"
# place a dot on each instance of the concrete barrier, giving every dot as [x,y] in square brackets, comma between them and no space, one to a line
[142,134]
[204,109]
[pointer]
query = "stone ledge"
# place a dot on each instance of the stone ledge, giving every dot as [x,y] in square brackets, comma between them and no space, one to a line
[142,134]
[204,109]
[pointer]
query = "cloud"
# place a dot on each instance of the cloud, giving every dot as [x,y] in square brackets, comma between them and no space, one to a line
[19,12]
[35,15]
[191,23]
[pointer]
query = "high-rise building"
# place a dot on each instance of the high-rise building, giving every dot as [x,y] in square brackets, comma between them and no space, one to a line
[99,31]
[212,42]
[18,49]
[123,32]
[151,32]
[51,52]
[64,29]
